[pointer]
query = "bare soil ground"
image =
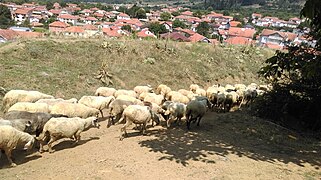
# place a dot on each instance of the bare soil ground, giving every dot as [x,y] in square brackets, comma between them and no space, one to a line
[225,146]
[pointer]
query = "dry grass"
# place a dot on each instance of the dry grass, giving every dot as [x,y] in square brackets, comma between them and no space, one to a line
[66,67]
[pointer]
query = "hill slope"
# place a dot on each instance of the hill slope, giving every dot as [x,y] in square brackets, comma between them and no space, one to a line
[67,68]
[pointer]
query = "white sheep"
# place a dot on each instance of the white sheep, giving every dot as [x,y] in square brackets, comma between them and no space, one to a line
[98,102]
[15,96]
[163,90]
[105,91]
[52,102]
[193,87]
[154,98]
[180,98]
[143,95]
[10,138]
[130,98]
[184,92]
[125,92]
[30,107]
[200,92]
[239,86]
[175,111]
[135,114]
[74,110]
[229,87]
[143,89]
[58,128]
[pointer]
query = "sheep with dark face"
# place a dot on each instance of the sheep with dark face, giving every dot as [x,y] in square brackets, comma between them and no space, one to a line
[37,120]
[58,128]
[10,138]
[23,125]
[116,109]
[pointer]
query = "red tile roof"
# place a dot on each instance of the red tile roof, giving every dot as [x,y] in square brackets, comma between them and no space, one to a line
[75,29]
[91,19]
[234,23]
[89,27]
[187,13]
[23,11]
[123,15]
[59,24]
[241,32]
[286,35]
[55,11]
[187,31]
[175,36]
[67,16]
[239,40]
[145,33]
[273,46]
[196,38]
[8,34]
[111,32]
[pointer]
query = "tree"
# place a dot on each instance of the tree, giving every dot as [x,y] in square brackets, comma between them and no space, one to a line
[49,5]
[176,13]
[127,28]
[296,79]
[140,13]
[198,14]
[165,16]
[203,28]
[5,17]
[157,28]
[26,23]
[177,23]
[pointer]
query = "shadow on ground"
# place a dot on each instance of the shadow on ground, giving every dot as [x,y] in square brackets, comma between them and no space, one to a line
[233,133]
[19,157]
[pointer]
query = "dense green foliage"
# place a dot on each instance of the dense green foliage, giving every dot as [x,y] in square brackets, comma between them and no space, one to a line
[165,16]
[157,28]
[5,17]
[203,28]
[177,23]
[296,78]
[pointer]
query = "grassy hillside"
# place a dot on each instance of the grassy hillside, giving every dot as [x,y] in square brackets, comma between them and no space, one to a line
[68,67]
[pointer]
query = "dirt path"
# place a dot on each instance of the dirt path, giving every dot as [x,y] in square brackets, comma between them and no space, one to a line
[225,146]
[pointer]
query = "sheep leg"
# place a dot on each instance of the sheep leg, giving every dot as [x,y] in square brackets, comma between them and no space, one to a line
[144,129]
[124,129]
[169,121]
[52,139]
[199,120]
[41,147]
[188,123]
[77,138]
[8,153]
[101,112]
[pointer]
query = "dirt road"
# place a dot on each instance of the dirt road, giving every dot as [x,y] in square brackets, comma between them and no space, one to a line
[225,146]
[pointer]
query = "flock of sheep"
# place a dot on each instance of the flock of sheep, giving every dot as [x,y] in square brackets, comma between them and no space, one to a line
[50,118]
